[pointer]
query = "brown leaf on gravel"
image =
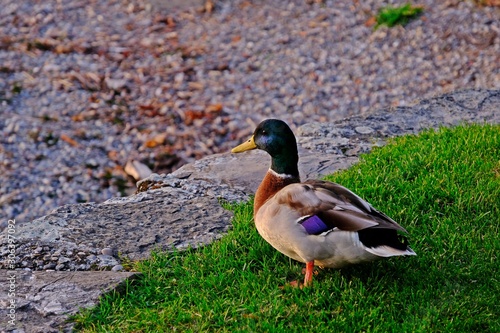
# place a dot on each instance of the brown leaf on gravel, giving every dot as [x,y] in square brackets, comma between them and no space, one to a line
[319,21]
[63,84]
[151,143]
[78,117]
[85,115]
[195,85]
[192,115]
[63,49]
[156,141]
[211,112]
[214,108]
[88,81]
[6,41]
[209,6]
[245,4]
[491,3]
[69,140]
[192,51]
[169,21]
[150,110]
[371,21]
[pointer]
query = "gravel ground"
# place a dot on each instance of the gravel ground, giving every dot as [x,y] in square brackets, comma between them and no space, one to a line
[86,86]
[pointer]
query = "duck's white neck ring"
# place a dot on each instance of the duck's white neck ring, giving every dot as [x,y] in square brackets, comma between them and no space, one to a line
[280,175]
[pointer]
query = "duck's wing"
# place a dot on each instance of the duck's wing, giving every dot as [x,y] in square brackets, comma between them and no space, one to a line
[324,206]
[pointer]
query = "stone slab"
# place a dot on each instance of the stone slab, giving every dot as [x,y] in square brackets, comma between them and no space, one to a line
[44,300]
[245,171]
[130,227]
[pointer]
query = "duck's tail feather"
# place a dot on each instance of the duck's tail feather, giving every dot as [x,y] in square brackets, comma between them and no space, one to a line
[388,251]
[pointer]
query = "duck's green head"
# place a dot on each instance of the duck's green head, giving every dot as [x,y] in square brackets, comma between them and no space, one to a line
[277,139]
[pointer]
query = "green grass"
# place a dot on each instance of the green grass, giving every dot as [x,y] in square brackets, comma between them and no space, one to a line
[391,16]
[442,186]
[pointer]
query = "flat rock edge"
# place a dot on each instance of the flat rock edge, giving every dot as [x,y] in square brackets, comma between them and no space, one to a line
[182,209]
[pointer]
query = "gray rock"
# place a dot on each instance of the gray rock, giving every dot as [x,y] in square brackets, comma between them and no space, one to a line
[107,251]
[363,129]
[63,260]
[115,84]
[50,265]
[45,299]
[106,261]
[117,268]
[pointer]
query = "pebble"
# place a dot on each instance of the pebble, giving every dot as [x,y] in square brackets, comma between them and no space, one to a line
[101,82]
[63,260]
[91,258]
[50,265]
[107,251]
[364,130]
[117,268]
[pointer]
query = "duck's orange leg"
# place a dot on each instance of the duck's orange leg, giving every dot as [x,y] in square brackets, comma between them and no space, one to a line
[309,273]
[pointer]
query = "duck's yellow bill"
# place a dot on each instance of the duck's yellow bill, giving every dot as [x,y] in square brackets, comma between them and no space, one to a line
[248,145]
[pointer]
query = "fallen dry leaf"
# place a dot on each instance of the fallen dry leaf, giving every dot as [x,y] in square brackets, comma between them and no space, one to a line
[209,6]
[191,115]
[169,21]
[150,110]
[195,85]
[63,49]
[78,117]
[245,4]
[492,3]
[371,21]
[69,140]
[214,108]
[156,141]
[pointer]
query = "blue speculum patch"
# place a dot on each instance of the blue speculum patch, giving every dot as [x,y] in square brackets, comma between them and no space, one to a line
[314,225]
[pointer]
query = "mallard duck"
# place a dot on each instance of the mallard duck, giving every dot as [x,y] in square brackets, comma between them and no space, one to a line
[315,222]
